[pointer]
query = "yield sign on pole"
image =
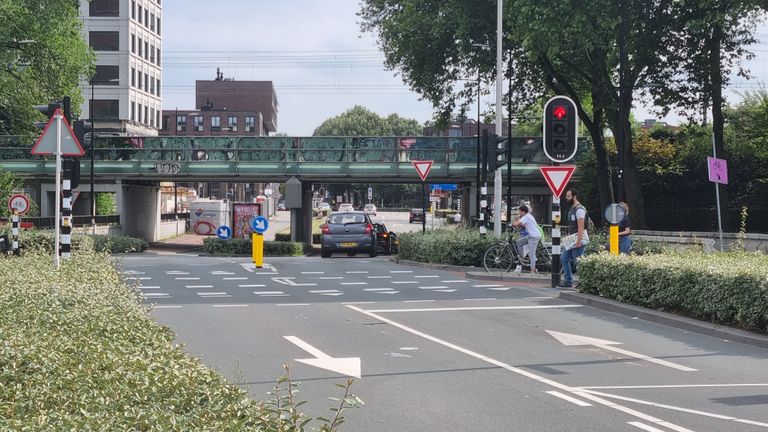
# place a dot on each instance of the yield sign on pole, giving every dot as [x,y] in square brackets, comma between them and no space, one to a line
[46,144]
[422,167]
[557,177]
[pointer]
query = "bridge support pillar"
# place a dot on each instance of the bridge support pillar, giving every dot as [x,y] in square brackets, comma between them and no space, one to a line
[468,197]
[301,218]
[143,205]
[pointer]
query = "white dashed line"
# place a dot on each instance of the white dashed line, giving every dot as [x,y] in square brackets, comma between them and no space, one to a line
[168,306]
[357,272]
[357,303]
[330,277]
[230,306]
[293,304]
[405,282]
[187,278]
[323,291]
[475,308]
[220,272]
[433,287]
[265,293]
[455,281]
[445,290]
[418,301]
[500,289]
[235,278]
[311,273]
[379,277]
[378,289]
[155,295]
[479,299]
[176,272]
[401,271]
[141,278]
[205,294]
[570,399]
[133,272]
[353,283]
[487,286]
[387,292]
[252,286]
[426,277]
[538,298]
[198,286]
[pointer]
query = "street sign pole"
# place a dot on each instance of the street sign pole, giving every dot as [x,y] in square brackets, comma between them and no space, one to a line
[57,235]
[424,207]
[717,198]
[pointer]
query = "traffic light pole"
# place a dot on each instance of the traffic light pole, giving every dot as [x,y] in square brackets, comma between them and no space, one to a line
[497,177]
[93,152]
[57,223]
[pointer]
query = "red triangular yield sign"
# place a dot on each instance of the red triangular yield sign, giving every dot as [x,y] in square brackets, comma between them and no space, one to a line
[46,144]
[557,177]
[422,167]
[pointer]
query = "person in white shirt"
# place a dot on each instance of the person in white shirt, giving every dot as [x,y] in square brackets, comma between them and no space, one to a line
[531,235]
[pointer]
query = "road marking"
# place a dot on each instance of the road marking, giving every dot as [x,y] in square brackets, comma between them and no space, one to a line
[426,277]
[379,277]
[455,281]
[289,281]
[405,282]
[357,272]
[211,293]
[477,308]
[141,278]
[433,287]
[568,339]
[499,289]
[480,299]
[268,292]
[357,303]
[133,272]
[671,386]
[323,291]
[230,305]
[187,278]
[386,292]
[198,286]
[676,408]
[645,427]
[353,283]
[252,286]
[176,272]
[570,399]
[539,298]
[444,290]
[153,295]
[220,272]
[149,286]
[331,277]
[168,306]
[311,273]
[418,301]
[349,366]
[246,267]
[294,304]
[378,289]
[487,286]
[520,371]
[401,271]
[235,278]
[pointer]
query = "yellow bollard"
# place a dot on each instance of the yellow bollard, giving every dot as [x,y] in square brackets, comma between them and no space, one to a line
[614,239]
[258,249]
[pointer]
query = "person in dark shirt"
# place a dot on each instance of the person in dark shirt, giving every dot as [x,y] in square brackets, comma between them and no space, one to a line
[625,233]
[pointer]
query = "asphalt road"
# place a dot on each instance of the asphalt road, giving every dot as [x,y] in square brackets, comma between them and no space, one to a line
[443,353]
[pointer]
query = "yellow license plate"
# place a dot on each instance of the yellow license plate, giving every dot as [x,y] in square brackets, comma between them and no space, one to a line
[349,244]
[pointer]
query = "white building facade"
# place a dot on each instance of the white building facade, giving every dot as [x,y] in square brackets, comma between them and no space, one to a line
[124,97]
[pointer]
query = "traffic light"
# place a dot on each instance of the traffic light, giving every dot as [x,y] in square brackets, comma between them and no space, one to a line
[561,123]
[84,132]
[49,109]
[497,152]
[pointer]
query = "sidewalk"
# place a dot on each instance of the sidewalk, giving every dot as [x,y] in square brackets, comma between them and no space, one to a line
[185,243]
[479,273]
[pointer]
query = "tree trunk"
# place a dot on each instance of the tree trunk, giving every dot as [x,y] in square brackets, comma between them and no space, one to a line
[718,120]
[604,185]
[632,189]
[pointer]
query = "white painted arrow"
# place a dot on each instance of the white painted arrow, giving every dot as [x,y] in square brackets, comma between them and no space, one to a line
[349,366]
[576,340]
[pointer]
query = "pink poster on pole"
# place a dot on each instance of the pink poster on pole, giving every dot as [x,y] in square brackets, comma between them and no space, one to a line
[718,170]
[242,215]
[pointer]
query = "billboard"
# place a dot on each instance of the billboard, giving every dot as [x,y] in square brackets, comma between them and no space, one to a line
[242,213]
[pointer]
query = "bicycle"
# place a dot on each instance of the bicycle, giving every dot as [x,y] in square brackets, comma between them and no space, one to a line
[502,256]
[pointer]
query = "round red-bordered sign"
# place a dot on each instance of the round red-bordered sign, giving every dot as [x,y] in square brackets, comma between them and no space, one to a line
[19,203]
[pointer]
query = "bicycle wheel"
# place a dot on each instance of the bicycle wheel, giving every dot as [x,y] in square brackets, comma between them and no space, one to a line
[498,258]
[543,257]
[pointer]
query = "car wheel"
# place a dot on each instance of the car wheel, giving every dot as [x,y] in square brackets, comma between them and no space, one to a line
[374,251]
[325,253]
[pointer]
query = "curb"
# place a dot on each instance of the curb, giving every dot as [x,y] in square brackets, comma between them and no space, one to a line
[471,272]
[672,320]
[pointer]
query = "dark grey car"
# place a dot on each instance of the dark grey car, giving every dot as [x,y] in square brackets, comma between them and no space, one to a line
[350,232]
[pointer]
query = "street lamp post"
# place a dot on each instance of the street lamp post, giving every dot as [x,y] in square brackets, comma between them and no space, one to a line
[497,175]
[477,175]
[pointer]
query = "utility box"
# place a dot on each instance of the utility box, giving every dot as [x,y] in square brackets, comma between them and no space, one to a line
[207,215]
[293,193]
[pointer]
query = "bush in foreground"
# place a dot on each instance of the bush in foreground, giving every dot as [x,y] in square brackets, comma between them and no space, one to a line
[80,352]
[118,244]
[724,288]
[459,247]
[216,246]
[43,241]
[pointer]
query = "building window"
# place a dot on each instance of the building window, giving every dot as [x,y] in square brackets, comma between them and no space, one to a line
[152,22]
[106,75]
[158,56]
[146,114]
[105,109]
[215,123]
[151,53]
[133,44]
[104,8]
[133,9]
[152,117]
[146,82]
[146,50]
[158,87]
[139,115]
[151,85]
[181,123]
[197,123]
[157,118]
[140,81]
[104,40]
[141,48]
[140,13]
[232,123]
[133,77]
[146,17]
[133,111]
[250,124]
[158,24]
[454,132]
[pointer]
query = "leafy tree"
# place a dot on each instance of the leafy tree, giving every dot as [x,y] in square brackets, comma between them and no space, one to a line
[43,56]
[9,184]
[360,121]
[105,203]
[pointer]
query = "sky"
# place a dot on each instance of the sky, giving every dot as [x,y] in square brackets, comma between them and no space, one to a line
[317,57]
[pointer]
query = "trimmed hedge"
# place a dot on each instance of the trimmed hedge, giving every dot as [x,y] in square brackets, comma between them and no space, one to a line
[459,247]
[43,241]
[724,288]
[118,244]
[216,246]
[286,237]
[81,353]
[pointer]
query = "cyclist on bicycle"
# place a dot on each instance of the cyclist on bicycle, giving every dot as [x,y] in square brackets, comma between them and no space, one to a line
[530,234]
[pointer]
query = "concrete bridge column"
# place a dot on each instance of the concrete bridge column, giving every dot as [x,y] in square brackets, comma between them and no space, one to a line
[468,196]
[301,217]
[140,213]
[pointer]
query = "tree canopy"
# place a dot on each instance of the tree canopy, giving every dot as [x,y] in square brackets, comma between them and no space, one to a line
[43,57]
[360,121]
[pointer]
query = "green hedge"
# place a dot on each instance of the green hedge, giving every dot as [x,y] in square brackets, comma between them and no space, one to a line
[43,241]
[118,244]
[460,247]
[286,237]
[216,246]
[724,288]
[79,352]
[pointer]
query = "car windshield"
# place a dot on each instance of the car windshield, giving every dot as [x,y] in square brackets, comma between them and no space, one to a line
[346,219]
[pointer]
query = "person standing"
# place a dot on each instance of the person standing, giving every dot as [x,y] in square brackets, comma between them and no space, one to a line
[625,233]
[531,237]
[574,244]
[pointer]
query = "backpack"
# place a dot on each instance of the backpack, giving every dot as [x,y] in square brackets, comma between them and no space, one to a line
[589,226]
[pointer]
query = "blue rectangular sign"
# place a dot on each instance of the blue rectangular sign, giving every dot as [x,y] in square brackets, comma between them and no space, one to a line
[445,187]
